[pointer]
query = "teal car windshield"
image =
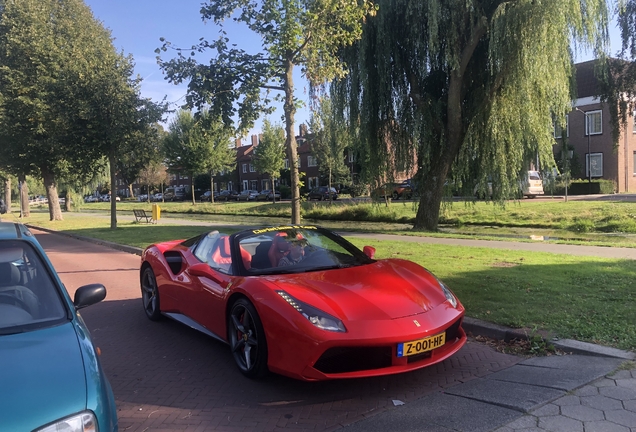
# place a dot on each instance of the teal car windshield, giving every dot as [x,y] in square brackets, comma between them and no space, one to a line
[29,298]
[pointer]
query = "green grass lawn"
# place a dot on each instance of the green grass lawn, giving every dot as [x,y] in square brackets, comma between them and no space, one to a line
[585,298]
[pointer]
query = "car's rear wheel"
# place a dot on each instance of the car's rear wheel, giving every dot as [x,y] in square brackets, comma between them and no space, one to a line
[247,339]
[150,294]
[395,195]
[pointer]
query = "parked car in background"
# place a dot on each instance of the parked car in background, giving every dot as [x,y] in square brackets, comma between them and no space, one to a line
[322,193]
[91,199]
[532,185]
[157,197]
[205,196]
[247,195]
[50,373]
[174,194]
[228,195]
[394,190]
[268,195]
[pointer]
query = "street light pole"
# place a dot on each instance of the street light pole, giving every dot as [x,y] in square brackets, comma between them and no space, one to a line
[589,155]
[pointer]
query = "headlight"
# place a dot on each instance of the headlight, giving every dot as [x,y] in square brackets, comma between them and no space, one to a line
[83,422]
[315,316]
[449,295]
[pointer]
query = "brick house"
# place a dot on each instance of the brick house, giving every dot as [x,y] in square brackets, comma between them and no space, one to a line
[596,149]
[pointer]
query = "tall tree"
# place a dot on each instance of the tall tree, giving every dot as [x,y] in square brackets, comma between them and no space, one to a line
[468,87]
[308,33]
[222,157]
[52,52]
[187,147]
[269,157]
[138,154]
[330,140]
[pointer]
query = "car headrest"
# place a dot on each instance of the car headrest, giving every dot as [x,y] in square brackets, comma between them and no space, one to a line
[225,246]
[9,274]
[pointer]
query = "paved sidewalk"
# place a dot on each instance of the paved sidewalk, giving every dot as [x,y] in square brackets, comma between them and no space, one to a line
[569,393]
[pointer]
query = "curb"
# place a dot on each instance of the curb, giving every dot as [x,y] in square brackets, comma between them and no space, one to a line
[570,346]
[471,325]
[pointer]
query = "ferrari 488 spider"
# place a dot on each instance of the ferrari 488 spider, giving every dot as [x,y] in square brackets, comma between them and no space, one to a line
[303,302]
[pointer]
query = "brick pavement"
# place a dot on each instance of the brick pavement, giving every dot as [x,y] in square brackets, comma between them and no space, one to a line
[168,377]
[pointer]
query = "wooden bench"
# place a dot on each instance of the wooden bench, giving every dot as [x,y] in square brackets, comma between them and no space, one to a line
[141,214]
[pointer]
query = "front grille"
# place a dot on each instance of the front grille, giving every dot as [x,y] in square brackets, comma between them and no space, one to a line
[352,359]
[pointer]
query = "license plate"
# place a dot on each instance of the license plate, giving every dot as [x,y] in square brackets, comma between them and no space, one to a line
[421,345]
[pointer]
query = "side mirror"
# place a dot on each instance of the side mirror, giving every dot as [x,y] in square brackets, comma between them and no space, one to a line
[204,270]
[369,251]
[89,295]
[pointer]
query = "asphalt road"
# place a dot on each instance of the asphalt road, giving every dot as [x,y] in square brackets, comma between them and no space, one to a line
[168,377]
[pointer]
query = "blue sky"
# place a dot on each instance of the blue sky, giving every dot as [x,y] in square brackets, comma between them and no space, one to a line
[137,25]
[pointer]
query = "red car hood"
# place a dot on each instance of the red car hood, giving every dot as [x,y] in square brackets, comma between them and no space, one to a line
[386,289]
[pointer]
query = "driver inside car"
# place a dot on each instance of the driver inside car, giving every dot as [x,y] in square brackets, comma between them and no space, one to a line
[295,253]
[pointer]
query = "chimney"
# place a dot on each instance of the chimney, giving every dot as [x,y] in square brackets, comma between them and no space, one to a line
[238,142]
[254,140]
[302,129]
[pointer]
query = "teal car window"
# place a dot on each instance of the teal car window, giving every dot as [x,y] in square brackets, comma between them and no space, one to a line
[29,297]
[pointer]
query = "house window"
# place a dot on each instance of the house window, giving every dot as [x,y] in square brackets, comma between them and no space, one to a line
[313,182]
[299,162]
[312,161]
[286,163]
[634,163]
[634,120]
[184,177]
[594,122]
[558,130]
[244,168]
[596,163]
[254,184]
[351,157]
[252,169]
[264,184]
[244,184]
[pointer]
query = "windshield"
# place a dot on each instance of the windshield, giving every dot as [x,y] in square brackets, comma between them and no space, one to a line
[297,249]
[28,295]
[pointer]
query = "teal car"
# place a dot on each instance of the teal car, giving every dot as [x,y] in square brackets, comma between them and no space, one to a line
[51,378]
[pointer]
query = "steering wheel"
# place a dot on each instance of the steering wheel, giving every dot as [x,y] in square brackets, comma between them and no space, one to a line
[9,299]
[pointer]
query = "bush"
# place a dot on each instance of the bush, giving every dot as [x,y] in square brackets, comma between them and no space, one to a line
[583,187]
[285,191]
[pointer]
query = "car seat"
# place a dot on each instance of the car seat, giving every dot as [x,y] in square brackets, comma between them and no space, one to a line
[10,285]
[222,254]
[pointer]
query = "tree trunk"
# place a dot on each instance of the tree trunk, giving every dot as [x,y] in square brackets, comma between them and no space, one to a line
[329,188]
[211,188]
[290,142]
[273,190]
[7,193]
[130,190]
[67,201]
[194,202]
[25,210]
[55,212]
[113,190]
[427,216]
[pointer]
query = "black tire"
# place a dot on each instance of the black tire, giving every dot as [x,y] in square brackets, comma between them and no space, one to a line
[396,196]
[247,339]
[150,294]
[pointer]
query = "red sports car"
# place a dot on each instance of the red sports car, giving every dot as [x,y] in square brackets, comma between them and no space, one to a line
[302,301]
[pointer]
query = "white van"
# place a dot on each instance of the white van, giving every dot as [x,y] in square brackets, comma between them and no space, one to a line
[533,184]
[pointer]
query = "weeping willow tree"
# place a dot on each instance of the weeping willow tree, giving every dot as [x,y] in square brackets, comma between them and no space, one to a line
[465,91]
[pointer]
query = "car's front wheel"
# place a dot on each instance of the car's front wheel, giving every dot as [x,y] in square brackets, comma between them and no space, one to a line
[150,294]
[247,339]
